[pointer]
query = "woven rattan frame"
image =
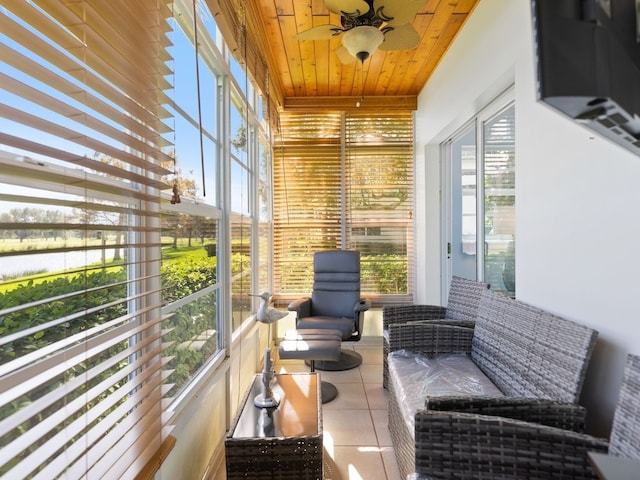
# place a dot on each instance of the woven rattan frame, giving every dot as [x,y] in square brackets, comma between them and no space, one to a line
[529,352]
[625,433]
[461,310]
[538,360]
[468,446]
[472,446]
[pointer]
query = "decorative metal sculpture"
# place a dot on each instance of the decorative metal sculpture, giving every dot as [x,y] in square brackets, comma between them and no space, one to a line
[268,315]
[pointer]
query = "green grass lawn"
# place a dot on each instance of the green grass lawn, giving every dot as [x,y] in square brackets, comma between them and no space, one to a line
[169,255]
[34,244]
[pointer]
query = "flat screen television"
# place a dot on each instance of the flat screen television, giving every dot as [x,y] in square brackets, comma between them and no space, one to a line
[588,64]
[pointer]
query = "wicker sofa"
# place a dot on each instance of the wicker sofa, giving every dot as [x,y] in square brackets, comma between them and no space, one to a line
[534,361]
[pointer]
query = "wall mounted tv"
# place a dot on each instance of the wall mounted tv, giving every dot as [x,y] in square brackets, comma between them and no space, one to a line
[588,61]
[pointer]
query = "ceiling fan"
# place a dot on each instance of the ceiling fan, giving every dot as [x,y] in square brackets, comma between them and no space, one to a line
[367,25]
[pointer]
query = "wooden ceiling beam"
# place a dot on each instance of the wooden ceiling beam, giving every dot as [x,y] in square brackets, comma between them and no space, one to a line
[350,103]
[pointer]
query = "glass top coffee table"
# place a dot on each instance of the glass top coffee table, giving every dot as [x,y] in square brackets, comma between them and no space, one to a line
[283,442]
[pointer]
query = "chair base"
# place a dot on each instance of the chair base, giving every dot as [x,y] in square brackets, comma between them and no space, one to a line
[328,392]
[348,360]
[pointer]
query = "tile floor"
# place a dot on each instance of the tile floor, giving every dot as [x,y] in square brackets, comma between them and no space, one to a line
[357,444]
[356,439]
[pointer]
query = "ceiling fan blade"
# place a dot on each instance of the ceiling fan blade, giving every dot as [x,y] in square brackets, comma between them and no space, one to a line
[402,37]
[359,7]
[397,12]
[344,56]
[321,32]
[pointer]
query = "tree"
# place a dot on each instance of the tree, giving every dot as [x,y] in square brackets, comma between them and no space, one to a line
[85,216]
[53,217]
[25,215]
[239,142]
[6,217]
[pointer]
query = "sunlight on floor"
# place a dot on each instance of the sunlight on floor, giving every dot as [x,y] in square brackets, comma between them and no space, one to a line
[356,441]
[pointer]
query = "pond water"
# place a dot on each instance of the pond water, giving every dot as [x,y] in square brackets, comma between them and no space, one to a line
[50,262]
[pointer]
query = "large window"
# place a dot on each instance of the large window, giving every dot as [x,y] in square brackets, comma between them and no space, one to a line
[191,227]
[345,181]
[121,128]
[250,201]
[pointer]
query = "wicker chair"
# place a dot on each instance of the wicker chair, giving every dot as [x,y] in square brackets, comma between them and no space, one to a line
[474,446]
[461,310]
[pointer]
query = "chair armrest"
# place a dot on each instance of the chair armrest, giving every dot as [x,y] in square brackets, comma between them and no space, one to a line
[467,445]
[302,307]
[407,313]
[567,416]
[430,339]
[362,306]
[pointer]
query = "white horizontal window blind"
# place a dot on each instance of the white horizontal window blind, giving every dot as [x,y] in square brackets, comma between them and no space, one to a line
[82,156]
[345,181]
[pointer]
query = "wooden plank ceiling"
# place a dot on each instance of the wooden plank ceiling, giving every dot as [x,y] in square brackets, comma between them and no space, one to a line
[308,74]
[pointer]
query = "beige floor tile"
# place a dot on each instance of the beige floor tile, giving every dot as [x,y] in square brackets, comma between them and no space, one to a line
[377,397]
[381,426]
[371,373]
[357,463]
[356,436]
[346,376]
[370,341]
[390,464]
[291,367]
[370,355]
[348,427]
[351,396]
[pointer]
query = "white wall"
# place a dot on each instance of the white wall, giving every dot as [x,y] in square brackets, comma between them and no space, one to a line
[577,202]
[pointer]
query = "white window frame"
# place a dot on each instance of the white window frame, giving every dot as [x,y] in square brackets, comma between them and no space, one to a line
[502,102]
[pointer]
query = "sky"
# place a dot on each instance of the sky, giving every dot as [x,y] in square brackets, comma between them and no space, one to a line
[186,136]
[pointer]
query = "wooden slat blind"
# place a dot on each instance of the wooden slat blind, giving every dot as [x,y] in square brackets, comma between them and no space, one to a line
[380,159]
[307,195]
[345,181]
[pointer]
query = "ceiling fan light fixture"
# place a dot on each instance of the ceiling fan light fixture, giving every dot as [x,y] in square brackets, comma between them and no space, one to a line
[362,41]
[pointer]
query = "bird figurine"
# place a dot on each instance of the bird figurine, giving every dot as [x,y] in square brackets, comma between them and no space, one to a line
[267,314]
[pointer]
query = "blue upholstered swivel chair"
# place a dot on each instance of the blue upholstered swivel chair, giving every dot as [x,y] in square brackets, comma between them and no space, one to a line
[335,303]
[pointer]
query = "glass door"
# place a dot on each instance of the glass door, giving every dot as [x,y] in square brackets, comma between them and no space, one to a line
[498,158]
[461,249]
[480,206]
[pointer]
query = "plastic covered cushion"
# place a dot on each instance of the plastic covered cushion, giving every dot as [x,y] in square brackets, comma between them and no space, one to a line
[416,377]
